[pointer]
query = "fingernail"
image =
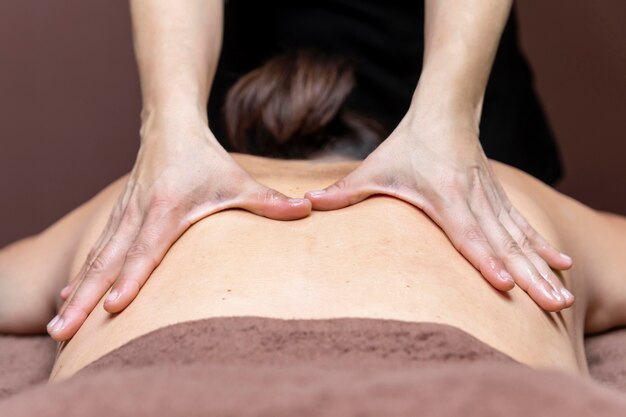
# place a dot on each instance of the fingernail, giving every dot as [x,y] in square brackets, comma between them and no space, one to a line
[568,295]
[53,322]
[317,192]
[296,201]
[567,258]
[58,326]
[113,296]
[556,295]
[505,276]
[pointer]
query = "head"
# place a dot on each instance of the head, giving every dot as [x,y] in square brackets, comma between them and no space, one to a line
[293,106]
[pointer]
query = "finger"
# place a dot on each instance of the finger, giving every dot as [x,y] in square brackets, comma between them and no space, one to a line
[87,292]
[68,290]
[540,264]
[349,190]
[270,203]
[467,237]
[120,209]
[162,227]
[549,253]
[97,279]
[517,263]
[105,236]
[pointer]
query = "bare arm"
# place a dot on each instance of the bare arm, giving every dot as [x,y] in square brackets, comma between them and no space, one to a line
[434,159]
[177,46]
[181,175]
[460,43]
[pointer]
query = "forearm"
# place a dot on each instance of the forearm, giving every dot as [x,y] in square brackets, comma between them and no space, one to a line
[461,39]
[177,46]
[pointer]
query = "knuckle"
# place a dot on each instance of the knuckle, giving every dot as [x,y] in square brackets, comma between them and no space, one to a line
[92,255]
[524,244]
[161,203]
[473,234]
[97,266]
[340,185]
[269,196]
[501,213]
[511,248]
[162,207]
[138,250]
[142,253]
[235,183]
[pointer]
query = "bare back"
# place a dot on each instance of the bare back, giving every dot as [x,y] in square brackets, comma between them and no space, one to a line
[382,258]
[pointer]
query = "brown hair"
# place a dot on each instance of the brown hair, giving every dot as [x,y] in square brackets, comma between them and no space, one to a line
[293,106]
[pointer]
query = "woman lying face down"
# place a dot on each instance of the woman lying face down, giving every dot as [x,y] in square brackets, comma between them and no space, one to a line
[380,259]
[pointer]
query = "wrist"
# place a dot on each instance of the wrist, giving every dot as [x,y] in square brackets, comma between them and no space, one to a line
[173,122]
[440,102]
[172,115]
[164,110]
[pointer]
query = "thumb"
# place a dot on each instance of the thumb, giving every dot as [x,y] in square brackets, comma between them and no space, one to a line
[349,190]
[270,203]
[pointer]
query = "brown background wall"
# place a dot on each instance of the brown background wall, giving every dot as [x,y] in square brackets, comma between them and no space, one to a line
[69,101]
[578,52]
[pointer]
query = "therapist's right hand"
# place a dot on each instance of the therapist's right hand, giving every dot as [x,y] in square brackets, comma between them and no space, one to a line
[181,175]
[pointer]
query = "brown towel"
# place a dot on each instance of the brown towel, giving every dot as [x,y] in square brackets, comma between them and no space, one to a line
[606,355]
[24,362]
[330,344]
[341,367]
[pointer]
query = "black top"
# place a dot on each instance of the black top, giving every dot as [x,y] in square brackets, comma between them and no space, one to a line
[385,40]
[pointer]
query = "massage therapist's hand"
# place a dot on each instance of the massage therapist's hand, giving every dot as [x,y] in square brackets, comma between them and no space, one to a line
[181,175]
[440,167]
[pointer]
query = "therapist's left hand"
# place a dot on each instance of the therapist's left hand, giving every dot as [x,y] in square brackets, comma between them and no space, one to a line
[441,169]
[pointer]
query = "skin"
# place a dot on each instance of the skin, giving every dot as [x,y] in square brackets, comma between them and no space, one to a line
[183,175]
[434,161]
[382,258]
